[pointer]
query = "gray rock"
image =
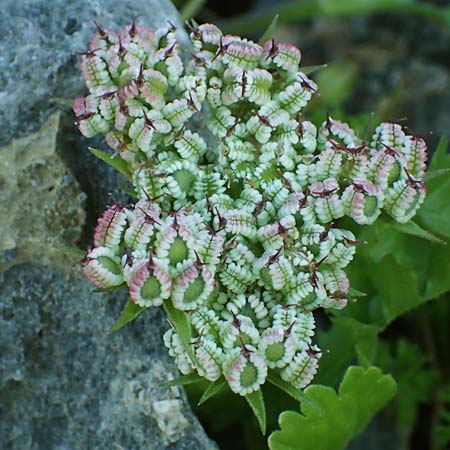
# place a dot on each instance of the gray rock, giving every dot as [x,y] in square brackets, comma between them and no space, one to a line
[66,382]
[39,41]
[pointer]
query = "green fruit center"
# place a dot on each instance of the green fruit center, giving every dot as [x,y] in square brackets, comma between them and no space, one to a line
[370,205]
[394,173]
[266,277]
[194,290]
[109,264]
[249,375]
[242,338]
[178,251]
[184,178]
[275,351]
[151,288]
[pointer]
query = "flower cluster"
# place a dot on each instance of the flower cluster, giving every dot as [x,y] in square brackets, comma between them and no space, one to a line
[239,234]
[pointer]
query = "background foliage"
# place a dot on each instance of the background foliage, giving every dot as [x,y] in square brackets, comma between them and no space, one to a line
[400,326]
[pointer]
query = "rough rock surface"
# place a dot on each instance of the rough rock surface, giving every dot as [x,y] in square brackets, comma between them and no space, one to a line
[40,201]
[66,382]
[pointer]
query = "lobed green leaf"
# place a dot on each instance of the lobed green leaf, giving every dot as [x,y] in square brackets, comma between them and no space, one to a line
[362,393]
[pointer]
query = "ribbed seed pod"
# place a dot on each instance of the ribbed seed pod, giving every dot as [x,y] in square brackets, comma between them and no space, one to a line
[103,268]
[139,234]
[363,201]
[209,359]
[150,284]
[244,370]
[302,368]
[110,228]
[303,330]
[276,348]
[177,350]
[192,288]
[403,199]
[206,322]
[236,277]
[238,330]
[247,305]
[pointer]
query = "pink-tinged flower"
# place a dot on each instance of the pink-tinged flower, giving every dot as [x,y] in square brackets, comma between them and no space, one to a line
[325,200]
[154,87]
[284,55]
[209,358]
[415,151]
[380,167]
[244,369]
[404,198]
[92,124]
[95,70]
[240,52]
[192,287]
[175,246]
[363,201]
[177,350]
[302,368]
[110,228]
[103,38]
[388,134]
[150,285]
[237,330]
[85,105]
[103,268]
[342,131]
[257,208]
[210,34]
[277,347]
[139,234]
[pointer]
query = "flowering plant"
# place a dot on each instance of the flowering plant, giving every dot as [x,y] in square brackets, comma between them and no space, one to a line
[238,230]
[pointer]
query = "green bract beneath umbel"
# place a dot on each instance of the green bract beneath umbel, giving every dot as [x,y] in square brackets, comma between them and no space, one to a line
[239,238]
